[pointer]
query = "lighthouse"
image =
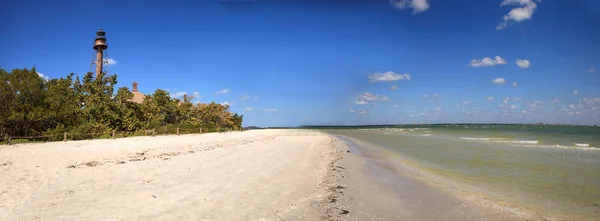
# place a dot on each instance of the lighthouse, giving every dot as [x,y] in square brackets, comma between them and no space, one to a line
[100,46]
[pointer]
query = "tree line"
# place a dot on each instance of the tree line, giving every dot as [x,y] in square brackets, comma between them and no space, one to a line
[33,106]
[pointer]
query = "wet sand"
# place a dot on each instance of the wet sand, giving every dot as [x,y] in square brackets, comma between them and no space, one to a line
[383,188]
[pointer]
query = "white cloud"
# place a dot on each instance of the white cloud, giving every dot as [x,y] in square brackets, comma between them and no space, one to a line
[271,110]
[523,63]
[44,77]
[571,106]
[417,5]
[591,70]
[499,81]
[224,91]
[394,87]
[438,109]
[366,97]
[487,62]
[517,14]
[395,105]
[255,98]
[515,84]
[360,111]
[434,95]
[110,61]
[512,107]
[505,100]
[465,102]
[226,103]
[245,97]
[178,94]
[387,76]
[196,94]
[490,98]
[575,92]
[248,109]
[590,101]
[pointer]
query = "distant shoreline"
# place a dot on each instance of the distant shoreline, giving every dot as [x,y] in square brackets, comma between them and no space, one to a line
[415,125]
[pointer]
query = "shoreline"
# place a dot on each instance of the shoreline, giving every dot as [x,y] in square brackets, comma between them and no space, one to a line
[399,171]
[250,175]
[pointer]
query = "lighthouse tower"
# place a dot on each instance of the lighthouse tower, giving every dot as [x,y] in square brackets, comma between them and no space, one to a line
[100,46]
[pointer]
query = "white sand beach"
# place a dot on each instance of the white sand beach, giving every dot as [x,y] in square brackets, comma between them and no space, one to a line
[251,175]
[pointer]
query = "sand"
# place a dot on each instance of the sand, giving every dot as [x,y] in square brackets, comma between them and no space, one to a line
[251,175]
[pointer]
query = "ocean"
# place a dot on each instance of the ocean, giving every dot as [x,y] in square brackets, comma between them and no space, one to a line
[549,170]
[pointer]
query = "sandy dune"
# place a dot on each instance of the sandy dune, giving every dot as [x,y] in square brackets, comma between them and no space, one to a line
[253,175]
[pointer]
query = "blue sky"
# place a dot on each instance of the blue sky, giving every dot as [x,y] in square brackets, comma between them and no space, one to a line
[295,62]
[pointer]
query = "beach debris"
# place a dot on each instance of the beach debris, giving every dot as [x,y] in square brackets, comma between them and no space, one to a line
[6,164]
[92,164]
[154,196]
[72,166]
[121,162]
[344,211]
[347,151]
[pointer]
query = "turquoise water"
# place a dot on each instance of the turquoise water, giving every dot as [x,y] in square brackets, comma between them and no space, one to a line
[553,170]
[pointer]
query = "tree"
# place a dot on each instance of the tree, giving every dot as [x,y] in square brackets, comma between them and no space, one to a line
[32,106]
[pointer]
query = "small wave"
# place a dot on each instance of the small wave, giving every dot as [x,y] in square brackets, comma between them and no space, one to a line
[482,138]
[582,144]
[426,135]
[564,147]
[520,141]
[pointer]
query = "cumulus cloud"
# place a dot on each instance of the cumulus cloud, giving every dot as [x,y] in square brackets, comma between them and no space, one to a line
[499,81]
[364,98]
[505,100]
[523,63]
[464,103]
[487,62]
[196,94]
[271,109]
[248,109]
[512,107]
[387,76]
[110,61]
[490,98]
[224,91]
[178,94]
[524,10]
[515,84]
[417,5]
[394,87]
[591,70]
[245,97]
[226,103]
[46,78]
[575,92]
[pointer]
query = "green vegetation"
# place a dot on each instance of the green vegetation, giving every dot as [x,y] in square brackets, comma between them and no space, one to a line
[31,106]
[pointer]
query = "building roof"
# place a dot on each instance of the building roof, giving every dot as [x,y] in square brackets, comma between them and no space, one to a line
[138,97]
